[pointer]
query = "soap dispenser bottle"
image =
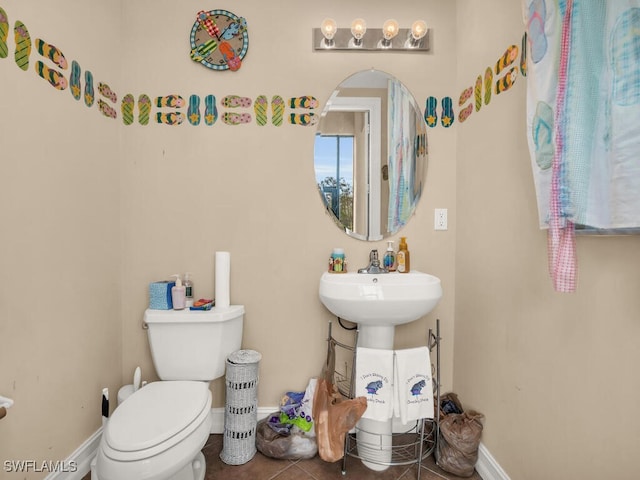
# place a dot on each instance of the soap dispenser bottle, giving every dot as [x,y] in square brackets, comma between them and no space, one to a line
[404,265]
[178,294]
[389,260]
[188,290]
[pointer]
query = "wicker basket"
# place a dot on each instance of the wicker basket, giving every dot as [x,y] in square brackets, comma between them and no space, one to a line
[241,415]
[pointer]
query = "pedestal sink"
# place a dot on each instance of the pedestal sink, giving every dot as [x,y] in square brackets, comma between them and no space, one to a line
[377,303]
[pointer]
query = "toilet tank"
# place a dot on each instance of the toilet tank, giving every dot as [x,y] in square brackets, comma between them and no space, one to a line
[193,344]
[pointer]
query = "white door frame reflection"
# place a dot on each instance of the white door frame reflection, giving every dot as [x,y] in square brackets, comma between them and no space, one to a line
[366,183]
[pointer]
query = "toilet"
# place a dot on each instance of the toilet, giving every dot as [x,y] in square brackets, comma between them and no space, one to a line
[159,432]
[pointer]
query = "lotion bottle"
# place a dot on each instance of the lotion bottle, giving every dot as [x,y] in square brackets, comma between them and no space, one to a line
[389,260]
[404,265]
[178,294]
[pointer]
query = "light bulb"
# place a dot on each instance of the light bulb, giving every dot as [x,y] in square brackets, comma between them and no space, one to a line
[358,28]
[328,28]
[418,29]
[389,29]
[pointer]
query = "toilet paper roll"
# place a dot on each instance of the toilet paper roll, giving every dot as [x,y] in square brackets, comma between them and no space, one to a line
[223,274]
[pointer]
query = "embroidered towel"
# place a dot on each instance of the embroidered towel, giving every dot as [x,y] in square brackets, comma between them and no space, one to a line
[413,384]
[374,381]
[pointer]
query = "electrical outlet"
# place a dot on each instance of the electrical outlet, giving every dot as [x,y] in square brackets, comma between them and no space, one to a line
[440,219]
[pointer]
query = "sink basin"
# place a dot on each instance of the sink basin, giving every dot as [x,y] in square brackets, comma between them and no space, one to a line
[387,299]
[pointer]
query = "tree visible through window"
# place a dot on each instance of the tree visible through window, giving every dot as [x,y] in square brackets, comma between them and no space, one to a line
[334,175]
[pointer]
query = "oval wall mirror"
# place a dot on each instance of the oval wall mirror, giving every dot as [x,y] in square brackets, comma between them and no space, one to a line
[370,155]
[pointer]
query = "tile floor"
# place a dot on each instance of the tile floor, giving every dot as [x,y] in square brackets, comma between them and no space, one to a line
[261,467]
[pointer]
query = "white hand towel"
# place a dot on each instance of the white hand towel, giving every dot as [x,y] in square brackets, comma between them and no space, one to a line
[374,380]
[413,384]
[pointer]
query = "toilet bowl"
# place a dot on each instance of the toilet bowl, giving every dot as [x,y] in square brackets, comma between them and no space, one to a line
[158,433]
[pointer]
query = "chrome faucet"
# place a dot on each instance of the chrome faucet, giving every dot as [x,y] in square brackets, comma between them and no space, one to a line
[374,264]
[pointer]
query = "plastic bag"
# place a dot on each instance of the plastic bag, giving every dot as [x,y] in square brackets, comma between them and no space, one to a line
[459,439]
[289,434]
[287,446]
[334,417]
[296,409]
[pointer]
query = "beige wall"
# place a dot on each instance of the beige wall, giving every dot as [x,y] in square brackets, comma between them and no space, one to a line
[94,211]
[189,191]
[61,239]
[555,374]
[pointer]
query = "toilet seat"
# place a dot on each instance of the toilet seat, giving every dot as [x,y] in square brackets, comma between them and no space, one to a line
[155,418]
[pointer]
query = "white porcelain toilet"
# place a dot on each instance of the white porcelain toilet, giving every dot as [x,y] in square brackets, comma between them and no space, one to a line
[158,433]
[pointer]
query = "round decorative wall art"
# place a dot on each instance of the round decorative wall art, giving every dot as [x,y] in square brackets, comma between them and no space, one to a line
[219,40]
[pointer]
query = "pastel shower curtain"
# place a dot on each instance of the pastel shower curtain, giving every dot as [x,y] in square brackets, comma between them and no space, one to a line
[401,130]
[583,120]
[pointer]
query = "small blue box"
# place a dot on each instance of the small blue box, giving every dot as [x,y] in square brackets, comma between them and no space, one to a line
[160,295]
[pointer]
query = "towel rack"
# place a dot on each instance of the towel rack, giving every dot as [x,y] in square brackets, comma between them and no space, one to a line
[409,447]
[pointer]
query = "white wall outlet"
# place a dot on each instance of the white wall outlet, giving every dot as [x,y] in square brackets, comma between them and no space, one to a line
[440,219]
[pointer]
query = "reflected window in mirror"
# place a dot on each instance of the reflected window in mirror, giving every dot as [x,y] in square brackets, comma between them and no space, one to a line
[334,156]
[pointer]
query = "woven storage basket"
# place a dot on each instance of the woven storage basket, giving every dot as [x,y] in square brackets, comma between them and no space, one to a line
[241,411]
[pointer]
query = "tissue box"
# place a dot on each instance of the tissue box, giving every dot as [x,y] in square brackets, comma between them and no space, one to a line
[160,295]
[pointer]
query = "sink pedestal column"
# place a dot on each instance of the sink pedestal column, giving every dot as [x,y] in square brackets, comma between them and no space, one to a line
[372,436]
[375,336]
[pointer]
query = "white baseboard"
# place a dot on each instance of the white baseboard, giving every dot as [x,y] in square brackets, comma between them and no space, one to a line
[80,460]
[487,467]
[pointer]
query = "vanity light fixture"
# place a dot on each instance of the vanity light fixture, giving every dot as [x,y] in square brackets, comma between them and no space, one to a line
[359,38]
[417,33]
[389,31]
[358,29]
[328,27]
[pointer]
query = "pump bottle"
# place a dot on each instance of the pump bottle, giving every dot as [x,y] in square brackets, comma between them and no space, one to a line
[389,260]
[188,285]
[403,259]
[178,292]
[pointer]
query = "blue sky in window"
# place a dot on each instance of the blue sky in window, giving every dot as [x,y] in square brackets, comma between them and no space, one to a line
[325,158]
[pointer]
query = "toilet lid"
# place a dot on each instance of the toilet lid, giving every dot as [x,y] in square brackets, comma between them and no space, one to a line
[155,413]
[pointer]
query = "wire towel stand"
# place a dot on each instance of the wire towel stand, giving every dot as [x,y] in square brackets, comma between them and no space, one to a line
[407,448]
